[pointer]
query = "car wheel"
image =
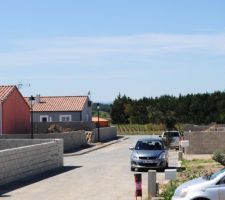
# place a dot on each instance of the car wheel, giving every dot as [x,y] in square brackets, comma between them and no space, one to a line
[167,165]
[132,169]
[201,199]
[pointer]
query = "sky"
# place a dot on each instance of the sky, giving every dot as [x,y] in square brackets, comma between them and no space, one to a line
[142,48]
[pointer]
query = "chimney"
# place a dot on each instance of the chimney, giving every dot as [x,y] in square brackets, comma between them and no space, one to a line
[38,98]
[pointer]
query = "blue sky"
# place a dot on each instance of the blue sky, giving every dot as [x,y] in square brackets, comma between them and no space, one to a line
[138,48]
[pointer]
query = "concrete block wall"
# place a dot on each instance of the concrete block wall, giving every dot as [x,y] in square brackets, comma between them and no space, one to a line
[71,140]
[25,162]
[205,142]
[15,143]
[106,133]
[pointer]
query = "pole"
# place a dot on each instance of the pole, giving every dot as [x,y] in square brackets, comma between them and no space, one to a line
[138,183]
[31,117]
[98,125]
[32,131]
[151,183]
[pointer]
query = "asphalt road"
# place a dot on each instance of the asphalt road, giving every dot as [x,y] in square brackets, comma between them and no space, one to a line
[103,174]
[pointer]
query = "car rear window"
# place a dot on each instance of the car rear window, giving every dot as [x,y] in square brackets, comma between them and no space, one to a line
[172,134]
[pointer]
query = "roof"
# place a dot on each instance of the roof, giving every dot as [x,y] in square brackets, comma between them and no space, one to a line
[95,119]
[5,91]
[60,103]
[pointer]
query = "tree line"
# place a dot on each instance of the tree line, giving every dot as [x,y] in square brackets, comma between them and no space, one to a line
[191,108]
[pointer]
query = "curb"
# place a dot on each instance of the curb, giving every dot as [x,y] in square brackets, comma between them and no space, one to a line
[102,145]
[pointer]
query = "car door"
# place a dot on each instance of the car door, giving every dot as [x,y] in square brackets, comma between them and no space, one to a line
[221,187]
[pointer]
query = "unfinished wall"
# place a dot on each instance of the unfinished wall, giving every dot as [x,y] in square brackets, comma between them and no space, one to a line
[71,140]
[15,143]
[27,161]
[107,133]
[205,142]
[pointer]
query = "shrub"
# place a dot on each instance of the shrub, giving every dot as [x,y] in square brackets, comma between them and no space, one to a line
[219,156]
[169,191]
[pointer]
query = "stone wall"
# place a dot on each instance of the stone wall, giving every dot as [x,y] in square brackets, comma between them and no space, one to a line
[107,133]
[71,140]
[205,142]
[27,161]
[42,127]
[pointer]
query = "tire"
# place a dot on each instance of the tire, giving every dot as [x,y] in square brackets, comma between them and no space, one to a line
[201,198]
[166,165]
[132,169]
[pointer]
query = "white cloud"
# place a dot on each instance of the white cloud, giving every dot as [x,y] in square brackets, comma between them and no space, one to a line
[96,50]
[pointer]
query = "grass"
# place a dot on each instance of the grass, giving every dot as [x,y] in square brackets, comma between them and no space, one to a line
[144,129]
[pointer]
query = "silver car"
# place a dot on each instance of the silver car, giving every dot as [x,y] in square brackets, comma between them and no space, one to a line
[211,187]
[149,153]
[172,138]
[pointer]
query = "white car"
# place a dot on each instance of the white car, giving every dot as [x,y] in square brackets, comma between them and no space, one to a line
[211,187]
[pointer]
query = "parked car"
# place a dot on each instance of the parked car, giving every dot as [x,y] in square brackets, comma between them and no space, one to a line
[172,139]
[149,153]
[210,187]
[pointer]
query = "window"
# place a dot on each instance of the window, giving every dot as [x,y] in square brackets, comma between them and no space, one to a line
[149,145]
[44,118]
[65,118]
[171,134]
[222,181]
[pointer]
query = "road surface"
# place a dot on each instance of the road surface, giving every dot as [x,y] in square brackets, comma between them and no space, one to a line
[103,174]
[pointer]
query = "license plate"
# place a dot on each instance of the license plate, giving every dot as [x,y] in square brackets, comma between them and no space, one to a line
[148,161]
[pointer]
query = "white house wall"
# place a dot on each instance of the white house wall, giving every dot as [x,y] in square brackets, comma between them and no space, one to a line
[87,113]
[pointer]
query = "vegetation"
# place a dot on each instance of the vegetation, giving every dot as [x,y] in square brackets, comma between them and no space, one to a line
[169,110]
[104,111]
[103,107]
[129,129]
[219,156]
[190,169]
[144,129]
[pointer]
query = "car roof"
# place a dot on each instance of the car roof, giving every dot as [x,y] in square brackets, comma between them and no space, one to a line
[151,138]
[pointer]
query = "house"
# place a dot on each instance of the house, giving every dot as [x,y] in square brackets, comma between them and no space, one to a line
[14,112]
[62,109]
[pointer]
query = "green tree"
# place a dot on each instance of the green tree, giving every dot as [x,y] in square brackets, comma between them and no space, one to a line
[118,107]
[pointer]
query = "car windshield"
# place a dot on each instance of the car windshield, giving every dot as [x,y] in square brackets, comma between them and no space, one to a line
[149,145]
[214,175]
[171,134]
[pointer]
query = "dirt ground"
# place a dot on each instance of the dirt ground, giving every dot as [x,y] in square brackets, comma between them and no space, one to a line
[197,156]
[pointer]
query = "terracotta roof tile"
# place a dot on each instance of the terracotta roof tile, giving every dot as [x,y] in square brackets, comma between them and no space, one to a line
[5,91]
[60,103]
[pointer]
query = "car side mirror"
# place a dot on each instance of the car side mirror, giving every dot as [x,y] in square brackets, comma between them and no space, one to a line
[131,148]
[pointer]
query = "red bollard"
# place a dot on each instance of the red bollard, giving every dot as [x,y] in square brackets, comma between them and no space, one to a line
[138,183]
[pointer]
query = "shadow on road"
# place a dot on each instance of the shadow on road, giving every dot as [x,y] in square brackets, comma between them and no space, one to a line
[22,183]
[79,149]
